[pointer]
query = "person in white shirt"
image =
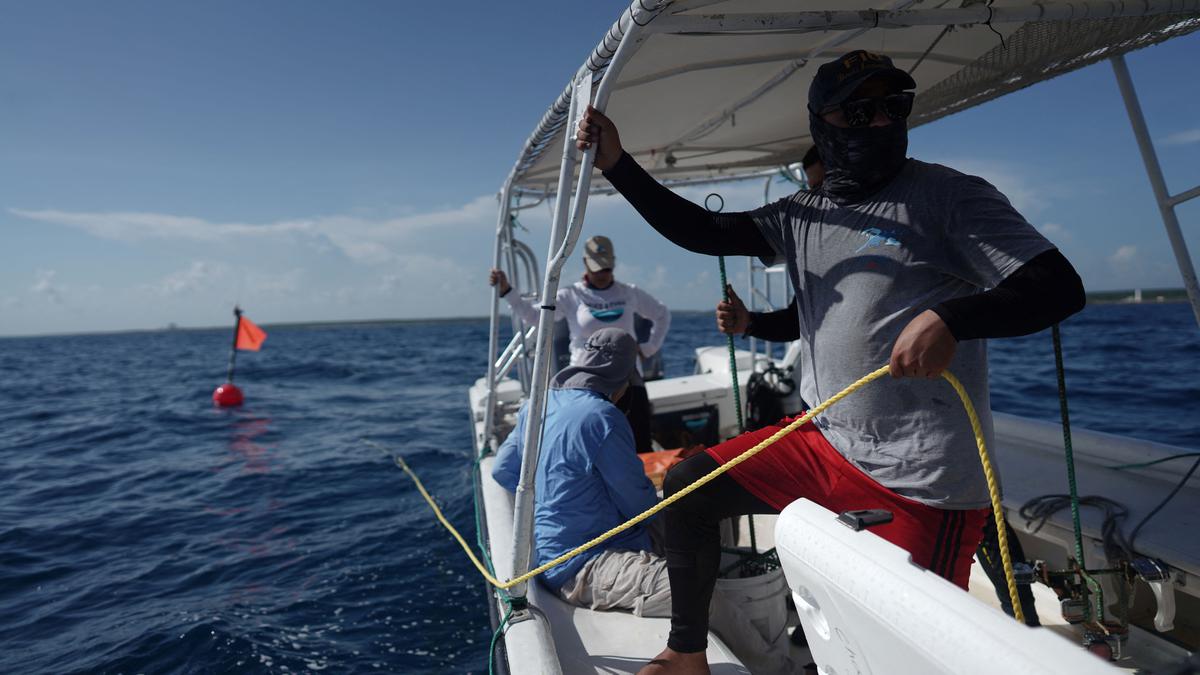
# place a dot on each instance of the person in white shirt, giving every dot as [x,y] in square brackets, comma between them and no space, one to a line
[600,301]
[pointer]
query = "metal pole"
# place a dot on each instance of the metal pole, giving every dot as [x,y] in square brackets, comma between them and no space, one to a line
[524,498]
[489,412]
[1166,206]
[237,326]
[562,240]
[516,282]
[897,16]
[750,307]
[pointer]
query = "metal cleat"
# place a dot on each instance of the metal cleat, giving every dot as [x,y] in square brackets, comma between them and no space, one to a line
[1157,576]
[1074,610]
[1107,642]
[1024,574]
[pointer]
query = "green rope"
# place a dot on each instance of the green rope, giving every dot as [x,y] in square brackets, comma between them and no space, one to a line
[733,359]
[495,637]
[487,559]
[1139,465]
[737,390]
[479,542]
[1093,586]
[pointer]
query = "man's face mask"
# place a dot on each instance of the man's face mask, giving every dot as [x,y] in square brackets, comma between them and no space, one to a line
[859,161]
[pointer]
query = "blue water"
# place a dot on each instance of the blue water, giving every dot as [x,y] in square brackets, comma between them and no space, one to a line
[144,531]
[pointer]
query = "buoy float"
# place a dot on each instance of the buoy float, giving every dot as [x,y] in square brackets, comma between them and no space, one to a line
[247,336]
[227,395]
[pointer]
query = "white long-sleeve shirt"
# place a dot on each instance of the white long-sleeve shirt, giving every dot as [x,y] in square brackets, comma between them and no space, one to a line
[588,309]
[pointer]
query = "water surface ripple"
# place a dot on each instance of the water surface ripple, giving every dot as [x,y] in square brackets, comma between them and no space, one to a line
[144,531]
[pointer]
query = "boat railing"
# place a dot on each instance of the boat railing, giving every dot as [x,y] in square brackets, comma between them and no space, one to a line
[513,353]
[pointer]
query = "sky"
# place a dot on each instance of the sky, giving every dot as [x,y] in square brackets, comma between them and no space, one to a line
[317,161]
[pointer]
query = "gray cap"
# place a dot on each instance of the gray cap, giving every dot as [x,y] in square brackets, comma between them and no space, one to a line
[609,362]
[598,254]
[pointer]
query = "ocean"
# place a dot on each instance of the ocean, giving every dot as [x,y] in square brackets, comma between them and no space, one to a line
[142,530]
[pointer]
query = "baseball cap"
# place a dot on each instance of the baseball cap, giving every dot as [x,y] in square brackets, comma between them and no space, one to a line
[836,80]
[598,254]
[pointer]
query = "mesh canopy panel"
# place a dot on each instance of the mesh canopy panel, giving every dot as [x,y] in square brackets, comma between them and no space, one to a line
[1041,50]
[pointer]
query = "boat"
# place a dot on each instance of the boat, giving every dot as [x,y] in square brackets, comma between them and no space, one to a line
[708,92]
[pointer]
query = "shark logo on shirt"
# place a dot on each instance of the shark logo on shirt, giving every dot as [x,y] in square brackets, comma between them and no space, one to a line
[608,315]
[878,237]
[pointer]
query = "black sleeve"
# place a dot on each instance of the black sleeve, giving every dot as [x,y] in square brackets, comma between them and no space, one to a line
[684,223]
[779,326]
[1041,293]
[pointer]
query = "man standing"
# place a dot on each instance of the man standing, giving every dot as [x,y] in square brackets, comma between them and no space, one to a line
[599,301]
[893,260]
[783,326]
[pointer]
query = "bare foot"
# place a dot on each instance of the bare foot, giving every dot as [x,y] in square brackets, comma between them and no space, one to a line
[671,662]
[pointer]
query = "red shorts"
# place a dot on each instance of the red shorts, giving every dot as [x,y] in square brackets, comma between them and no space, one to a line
[804,464]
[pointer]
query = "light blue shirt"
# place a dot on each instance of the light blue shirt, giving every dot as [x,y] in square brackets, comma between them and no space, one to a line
[589,479]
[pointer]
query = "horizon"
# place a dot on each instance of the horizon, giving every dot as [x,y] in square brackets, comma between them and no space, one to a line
[333,184]
[1169,295]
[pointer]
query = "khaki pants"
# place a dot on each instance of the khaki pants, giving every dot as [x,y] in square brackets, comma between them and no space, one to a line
[637,581]
[629,580]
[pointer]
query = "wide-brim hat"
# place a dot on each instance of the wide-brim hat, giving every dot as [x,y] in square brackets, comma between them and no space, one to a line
[609,363]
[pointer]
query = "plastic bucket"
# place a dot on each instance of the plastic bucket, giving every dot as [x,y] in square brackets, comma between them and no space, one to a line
[750,614]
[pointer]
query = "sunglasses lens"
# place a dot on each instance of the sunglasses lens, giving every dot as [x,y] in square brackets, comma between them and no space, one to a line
[859,113]
[898,106]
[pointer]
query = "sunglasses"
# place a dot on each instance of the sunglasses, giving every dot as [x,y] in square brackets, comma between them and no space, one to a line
[860,111]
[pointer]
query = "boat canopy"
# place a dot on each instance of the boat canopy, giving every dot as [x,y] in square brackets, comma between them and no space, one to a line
[720,89]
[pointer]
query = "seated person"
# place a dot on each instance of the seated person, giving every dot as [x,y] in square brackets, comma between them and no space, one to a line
[589,479]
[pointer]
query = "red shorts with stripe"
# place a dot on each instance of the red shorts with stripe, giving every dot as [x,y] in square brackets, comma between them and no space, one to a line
[804,464]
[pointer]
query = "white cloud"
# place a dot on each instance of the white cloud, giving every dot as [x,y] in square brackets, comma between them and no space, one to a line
[433,282]
[199,276]
[1182,138]
[203,276]
[1057,233]
[1124,255]
[136,226]
[45,285]
[285,283]
[704,281]
[658,279]
[1009,179]
[366,240]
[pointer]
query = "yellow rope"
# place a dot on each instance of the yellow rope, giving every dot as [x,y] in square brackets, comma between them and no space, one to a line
[441,518]
[988,472]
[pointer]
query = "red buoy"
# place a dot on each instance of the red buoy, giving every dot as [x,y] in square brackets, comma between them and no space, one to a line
[227,395]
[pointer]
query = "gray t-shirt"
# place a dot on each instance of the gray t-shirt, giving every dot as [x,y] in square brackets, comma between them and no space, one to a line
[861,272]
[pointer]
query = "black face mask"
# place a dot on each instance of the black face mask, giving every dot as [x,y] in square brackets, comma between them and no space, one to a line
[858,160]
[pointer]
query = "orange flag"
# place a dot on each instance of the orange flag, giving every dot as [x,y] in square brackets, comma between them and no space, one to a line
[250,337]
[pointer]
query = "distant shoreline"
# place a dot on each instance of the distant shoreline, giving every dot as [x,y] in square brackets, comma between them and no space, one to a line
[1149,296]
[266,326]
